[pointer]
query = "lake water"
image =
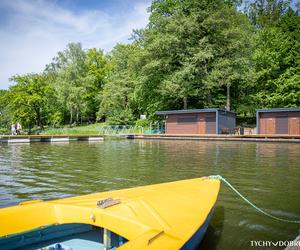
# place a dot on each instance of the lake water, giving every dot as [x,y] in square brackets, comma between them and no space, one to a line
[267,173]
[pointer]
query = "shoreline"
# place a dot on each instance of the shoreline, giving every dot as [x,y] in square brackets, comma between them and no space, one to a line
[246,138]
[48,138]
[97,137]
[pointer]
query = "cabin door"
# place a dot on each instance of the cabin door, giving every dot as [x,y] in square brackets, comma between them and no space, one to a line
[201,124]
[294,126]
[270,126]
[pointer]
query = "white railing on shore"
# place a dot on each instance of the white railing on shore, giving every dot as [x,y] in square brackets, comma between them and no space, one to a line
[120,130]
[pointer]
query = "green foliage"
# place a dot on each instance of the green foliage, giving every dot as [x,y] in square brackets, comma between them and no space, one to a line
[79,77]
[28,99]
[231,67]
[193,54]
[265,13]
[117,104]
[92,129]
[56,119]
[277,64]
[99,67]
[71,69]
[143,122]
[5,112]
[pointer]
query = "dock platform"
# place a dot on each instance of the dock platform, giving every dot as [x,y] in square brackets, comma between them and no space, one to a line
[251,138]
[48,138]
[94,138]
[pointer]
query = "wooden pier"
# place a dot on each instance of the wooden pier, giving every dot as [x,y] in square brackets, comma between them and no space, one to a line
[250,138]
[48,138]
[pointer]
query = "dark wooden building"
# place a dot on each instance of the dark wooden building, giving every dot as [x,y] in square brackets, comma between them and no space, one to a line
[198,121]
[284,121]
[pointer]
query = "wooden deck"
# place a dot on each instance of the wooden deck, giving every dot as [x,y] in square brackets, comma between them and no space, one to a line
[255,138]
[47,138]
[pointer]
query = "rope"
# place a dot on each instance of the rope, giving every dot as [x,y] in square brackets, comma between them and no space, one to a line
[219,177]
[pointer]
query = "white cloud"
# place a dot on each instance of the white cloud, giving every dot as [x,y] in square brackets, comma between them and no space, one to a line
[35,31]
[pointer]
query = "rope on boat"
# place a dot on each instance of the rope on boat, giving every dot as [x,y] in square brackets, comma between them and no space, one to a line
[219,177]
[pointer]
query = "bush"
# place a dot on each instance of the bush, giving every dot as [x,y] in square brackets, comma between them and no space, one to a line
[123,117]
[143,123]
[4,131]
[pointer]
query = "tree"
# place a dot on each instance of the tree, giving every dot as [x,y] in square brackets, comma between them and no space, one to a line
[28,99]
[177,53]
[5,113]
[118,104]
[78,79]
[232,45]
[277,63]
[70,73]
[193,49]
[265,13]
[99,67]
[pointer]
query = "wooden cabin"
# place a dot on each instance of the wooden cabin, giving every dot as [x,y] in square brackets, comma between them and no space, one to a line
[283,121]
[198,121]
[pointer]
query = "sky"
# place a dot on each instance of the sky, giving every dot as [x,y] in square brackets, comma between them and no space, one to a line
[33,31]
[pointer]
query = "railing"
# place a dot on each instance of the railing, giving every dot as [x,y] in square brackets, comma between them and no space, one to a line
[230,131]
[128,129]
[237,130]
[120,130]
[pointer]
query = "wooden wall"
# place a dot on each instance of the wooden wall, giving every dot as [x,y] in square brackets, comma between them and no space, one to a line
[195,123]
[279,123]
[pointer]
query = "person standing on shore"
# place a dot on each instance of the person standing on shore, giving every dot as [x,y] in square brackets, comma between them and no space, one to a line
[18,128]
[13,129]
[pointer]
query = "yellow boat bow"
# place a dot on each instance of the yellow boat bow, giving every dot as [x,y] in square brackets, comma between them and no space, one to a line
[171,215]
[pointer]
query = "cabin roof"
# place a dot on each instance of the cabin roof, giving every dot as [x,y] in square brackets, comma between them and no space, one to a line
[278,110]
[190,111]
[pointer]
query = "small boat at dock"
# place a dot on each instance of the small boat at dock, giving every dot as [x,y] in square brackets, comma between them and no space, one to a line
[172,215]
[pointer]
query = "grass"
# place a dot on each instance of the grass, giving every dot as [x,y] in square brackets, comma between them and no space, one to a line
[92,129]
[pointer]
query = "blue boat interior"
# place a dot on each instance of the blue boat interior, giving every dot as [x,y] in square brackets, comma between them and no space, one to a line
[73,236]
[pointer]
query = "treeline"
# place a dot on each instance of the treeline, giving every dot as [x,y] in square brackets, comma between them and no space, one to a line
[192,54]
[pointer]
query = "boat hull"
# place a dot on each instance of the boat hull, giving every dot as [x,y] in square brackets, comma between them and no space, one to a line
[196,239]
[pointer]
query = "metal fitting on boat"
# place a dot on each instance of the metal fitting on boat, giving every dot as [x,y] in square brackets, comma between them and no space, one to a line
[93,217]
[108,202]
